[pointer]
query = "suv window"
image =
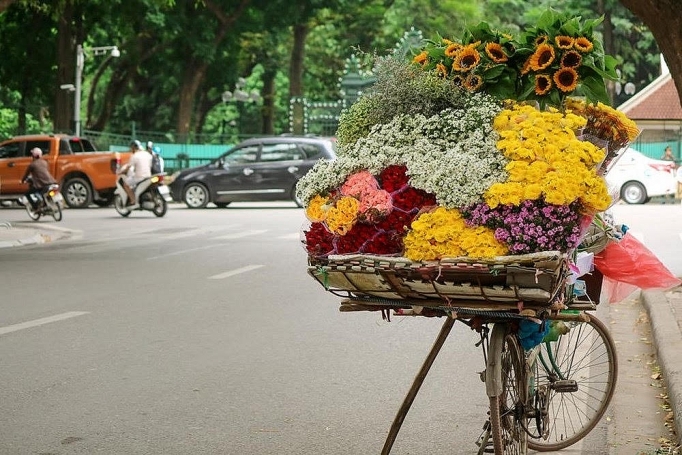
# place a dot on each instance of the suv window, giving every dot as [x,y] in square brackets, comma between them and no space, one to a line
[11,150]
[313,151]
[243,155]
[281,152]
[42,145]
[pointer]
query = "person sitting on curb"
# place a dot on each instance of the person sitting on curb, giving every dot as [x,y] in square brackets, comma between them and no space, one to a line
[138,169]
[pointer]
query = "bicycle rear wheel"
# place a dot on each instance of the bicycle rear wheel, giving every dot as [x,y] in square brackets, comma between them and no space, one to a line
[574,377]
[508,409]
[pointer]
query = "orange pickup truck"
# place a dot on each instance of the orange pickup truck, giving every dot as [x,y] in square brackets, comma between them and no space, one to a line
[85,175]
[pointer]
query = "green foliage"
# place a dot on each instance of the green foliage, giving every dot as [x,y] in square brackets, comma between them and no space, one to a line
[401,88]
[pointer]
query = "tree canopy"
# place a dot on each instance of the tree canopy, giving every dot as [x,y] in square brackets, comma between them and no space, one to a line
[177,57]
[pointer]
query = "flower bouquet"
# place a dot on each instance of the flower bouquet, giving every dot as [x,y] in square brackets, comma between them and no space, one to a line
[471,171]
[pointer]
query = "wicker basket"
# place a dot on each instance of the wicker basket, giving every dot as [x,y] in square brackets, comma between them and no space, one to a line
[537,278]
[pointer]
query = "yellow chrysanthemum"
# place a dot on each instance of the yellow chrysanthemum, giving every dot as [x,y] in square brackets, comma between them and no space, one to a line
[341,218]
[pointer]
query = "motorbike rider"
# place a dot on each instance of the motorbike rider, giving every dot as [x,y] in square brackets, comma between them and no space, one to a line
[41,179]
[137,169]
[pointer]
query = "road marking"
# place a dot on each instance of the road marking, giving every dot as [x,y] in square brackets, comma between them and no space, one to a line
[237,235]
[42,321]
[191,250]
[230,273]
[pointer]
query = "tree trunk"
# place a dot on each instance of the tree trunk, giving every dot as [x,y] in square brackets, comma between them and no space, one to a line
[665,22]
[609,46]
[268,109]
[196,71]
[66,70]
[296,78]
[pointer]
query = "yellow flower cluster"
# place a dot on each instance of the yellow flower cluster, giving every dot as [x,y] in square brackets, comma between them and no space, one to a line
[316,211]
[605,122]
[547,160]
[444,233]
[343,215]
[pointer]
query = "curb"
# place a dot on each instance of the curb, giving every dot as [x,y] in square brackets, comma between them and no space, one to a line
[668,344]
[36,234]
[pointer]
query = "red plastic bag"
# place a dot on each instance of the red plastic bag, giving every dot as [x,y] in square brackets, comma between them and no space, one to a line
[632,265]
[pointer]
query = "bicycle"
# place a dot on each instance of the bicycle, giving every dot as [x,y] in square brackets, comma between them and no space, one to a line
[545,397]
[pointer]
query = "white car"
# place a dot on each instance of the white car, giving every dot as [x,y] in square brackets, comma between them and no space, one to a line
[637,178]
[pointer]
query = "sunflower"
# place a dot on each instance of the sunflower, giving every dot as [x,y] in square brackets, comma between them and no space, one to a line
[473,82]
[441,70]
[458,80]
[543,84]
[566,79]
[542,57]
[526,66]
[467,59]
[421,58]
[496,53]
[540,40]
[583,44]
[571,59]
[564,42]
[452,49]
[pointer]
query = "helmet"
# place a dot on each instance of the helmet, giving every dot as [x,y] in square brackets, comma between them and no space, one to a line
[150,144]
[157,150]
[137,145]
[36,152]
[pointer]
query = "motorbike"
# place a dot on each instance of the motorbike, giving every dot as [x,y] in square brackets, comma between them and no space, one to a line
[151,194]
[50,202]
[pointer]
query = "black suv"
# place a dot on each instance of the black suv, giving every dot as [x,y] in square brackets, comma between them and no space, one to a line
[259,169]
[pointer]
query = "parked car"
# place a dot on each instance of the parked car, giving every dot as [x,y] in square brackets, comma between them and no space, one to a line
[637,178]
[258,169]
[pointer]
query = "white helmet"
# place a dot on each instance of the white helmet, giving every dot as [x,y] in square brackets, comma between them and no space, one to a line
[36,152]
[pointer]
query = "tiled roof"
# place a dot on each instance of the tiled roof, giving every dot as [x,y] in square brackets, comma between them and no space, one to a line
[657,101]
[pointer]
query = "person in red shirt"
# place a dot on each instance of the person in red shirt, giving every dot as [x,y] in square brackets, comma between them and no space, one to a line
[40,175]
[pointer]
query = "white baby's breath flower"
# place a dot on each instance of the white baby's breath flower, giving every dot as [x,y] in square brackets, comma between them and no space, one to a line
[451,155]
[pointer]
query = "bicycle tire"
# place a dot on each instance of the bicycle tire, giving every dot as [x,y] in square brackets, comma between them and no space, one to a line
[507,410]
[585,354]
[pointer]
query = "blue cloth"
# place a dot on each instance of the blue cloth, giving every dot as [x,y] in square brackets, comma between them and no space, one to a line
[531,333]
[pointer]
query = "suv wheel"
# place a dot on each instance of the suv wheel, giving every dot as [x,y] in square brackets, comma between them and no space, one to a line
[195,196]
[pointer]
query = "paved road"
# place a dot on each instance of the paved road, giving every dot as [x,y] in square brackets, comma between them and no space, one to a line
[200,333]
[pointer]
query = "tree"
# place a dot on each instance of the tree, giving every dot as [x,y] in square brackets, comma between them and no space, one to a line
[663,18]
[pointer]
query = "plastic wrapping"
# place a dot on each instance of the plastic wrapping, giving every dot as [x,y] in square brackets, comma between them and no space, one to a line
[627,265]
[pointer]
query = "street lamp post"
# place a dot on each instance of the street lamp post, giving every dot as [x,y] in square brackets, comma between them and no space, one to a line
[80,62]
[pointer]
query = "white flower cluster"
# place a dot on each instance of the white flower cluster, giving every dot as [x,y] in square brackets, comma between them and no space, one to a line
[451,155]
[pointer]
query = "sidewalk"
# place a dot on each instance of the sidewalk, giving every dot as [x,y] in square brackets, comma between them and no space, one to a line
[20,234]
[665,314]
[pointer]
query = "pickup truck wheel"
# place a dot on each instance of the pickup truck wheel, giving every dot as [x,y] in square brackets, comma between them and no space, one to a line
[77,193]
[195,196]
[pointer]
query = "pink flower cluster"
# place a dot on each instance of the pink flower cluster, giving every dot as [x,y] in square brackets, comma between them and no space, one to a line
[388,205]
[531,226]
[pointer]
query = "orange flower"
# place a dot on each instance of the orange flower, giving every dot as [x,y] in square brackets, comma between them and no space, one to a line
[452,49]
[466,60]
[441,70]
[458,80]
[541,39]
[564,42]
[543,84]
[422,58]
[583,44]
[571,59]
[566,79]
[495,52]
[473,82]
[526,66]
[542,57]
